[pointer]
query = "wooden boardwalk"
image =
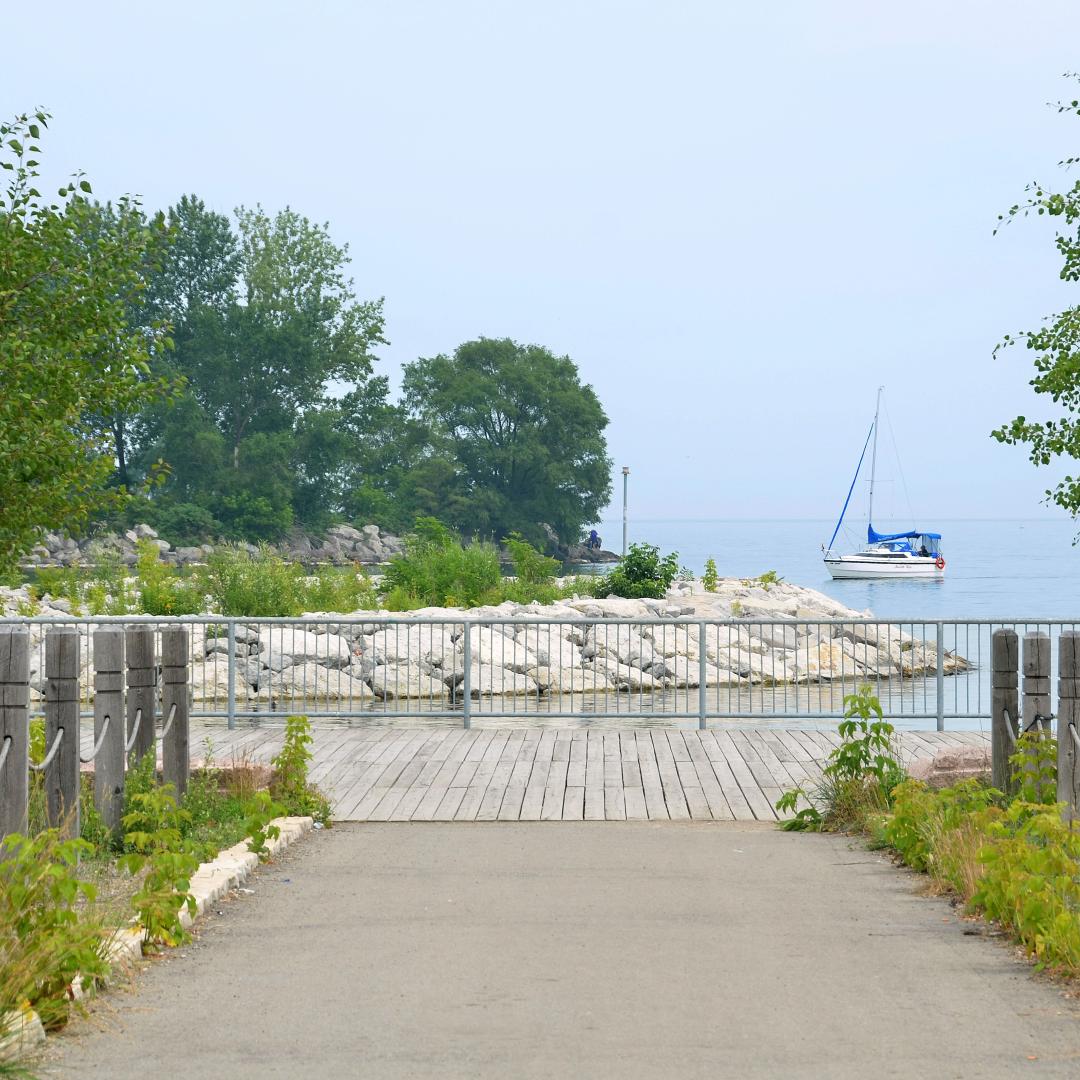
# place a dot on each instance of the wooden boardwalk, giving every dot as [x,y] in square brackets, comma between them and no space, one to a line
[555,774]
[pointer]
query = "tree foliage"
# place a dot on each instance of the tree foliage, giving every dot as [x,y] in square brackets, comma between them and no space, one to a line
[524,434]
[265,323]
[1055,345]
[68,353]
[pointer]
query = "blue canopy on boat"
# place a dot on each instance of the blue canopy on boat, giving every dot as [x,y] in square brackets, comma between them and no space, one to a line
[876,537]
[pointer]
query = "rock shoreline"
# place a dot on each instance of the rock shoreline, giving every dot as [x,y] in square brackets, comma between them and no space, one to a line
[341,545]
[648,645]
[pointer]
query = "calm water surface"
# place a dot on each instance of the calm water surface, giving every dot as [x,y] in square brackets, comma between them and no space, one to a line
[1000,570]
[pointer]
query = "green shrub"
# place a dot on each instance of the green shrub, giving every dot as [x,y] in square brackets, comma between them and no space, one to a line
[339,589]
[260,585]
[710,578]
[290,785]
[162,590]
[764,581]
[642,573]
[184,523]
[437,570]
[44,941]
[61,583]
[861,775]
[156,847]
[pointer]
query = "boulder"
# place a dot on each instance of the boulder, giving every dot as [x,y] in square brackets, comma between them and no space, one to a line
[488,681]
[405,681]
[951,765]
[572,680]
[283,646]
[313,682]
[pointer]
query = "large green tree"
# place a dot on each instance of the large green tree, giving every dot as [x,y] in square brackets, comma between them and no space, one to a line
[269,336]
[1055,345]
[68,276]
[526,437]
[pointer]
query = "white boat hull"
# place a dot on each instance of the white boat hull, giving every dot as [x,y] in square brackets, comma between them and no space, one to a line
[871,566]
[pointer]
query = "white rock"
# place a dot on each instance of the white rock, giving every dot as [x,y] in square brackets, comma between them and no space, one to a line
[400,681]
[488,681]
[314,682]
[277,642]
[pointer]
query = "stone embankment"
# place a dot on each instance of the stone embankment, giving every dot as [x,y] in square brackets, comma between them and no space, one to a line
[647,646]
[341,545]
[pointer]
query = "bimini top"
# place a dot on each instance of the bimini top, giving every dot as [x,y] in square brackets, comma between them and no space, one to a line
[877,538]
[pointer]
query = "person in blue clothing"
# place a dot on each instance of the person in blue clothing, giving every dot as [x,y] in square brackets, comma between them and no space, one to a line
[594,540]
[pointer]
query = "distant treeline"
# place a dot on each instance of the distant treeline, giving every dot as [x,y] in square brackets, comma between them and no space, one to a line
[271,415]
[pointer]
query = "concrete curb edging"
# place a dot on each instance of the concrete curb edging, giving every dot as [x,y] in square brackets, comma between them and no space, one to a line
[209,884]
[214,879]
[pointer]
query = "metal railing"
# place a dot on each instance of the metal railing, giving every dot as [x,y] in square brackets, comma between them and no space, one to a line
[473,669]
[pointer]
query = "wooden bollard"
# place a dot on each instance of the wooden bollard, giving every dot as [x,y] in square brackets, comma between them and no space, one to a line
[14,728]
[62,715]
[1068,726]
[1004,706]
[1036,681]
[174,707]
[141,689]
[1036,705]
[109,707]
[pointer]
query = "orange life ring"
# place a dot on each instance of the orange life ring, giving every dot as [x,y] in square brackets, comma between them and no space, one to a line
[940,564]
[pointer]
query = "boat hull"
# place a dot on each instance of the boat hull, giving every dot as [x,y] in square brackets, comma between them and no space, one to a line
[867,566]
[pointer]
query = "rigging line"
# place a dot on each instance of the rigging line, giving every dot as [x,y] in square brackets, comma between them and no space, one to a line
[899,465]
[851,489]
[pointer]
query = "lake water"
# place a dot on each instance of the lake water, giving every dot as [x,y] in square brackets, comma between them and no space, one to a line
[1015,569]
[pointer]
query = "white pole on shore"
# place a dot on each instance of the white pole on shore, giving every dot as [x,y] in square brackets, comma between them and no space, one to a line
[625,475]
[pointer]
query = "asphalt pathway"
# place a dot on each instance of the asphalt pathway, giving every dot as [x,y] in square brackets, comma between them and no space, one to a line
[594,950]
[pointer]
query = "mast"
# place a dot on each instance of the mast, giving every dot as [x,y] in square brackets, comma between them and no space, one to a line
[873,458]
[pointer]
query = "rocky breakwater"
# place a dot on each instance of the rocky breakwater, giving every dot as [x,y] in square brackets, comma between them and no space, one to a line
[342,544]
[754,637]
[641,647]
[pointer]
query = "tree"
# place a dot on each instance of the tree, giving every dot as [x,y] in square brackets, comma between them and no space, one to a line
[266,325]
[525,434]
[1056,345]
[67,277]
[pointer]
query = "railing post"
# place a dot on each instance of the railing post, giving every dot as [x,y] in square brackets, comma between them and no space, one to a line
[141,689]
[467,680]
[1004,710]
[175,761]
[14,729]
[62,716]
[703,696]
[231,646]
[1068,727]
[940,676]
[109,708]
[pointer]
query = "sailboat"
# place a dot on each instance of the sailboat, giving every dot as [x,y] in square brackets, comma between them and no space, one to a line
[913,554]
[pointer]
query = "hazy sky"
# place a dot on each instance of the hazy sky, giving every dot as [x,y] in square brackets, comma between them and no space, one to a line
[738,219]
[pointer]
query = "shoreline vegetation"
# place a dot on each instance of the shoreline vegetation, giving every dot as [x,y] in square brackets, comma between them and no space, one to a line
[338,650]
[73,907]
[1008,856]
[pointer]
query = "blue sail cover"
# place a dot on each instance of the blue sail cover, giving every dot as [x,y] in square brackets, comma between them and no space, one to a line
[876,537]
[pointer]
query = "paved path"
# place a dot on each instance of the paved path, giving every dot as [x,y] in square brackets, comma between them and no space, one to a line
[556,774]
[633,950]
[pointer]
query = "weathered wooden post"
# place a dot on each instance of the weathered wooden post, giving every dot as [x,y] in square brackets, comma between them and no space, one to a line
[1036,705]
[61,765]
[1004,706]
[1036,682]
[14,728]
[1068,729]
[174,707]
[141,690]
[109,725]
